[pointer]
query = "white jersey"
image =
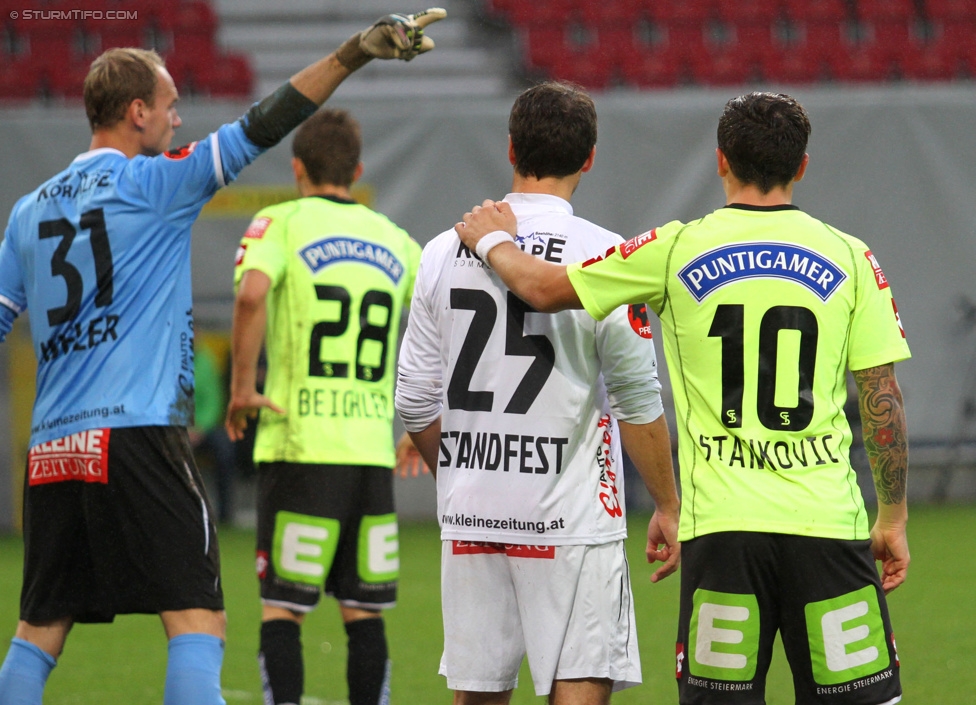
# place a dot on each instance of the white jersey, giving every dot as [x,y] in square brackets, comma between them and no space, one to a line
[529,450]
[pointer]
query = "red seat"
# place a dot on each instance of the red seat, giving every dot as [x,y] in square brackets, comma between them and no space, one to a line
[612,12]
[542,45]
[816,10]
[886,10]
[932,62]
[670,11]
[794,65]
[67,81]
[950,10]
[18,79]
[226,76]
[738,11]
[540,13]
[123,33]
[685,39]
[654,67]
[590,67]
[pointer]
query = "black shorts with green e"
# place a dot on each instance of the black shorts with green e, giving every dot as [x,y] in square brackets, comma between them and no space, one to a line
[117,521]
[330,527]
[823,596]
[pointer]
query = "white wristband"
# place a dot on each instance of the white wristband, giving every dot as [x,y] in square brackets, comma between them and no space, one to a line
[489,241]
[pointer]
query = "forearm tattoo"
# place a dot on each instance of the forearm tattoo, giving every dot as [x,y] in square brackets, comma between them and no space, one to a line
[885,437]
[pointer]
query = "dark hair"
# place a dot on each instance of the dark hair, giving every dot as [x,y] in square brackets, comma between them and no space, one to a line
[115,79]
[329,144]
[553,130]
[764,137]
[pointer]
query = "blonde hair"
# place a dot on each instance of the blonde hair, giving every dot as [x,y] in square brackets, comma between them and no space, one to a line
[115,79]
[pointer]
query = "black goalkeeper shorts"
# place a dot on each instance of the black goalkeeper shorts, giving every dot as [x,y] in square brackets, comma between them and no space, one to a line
[117,521]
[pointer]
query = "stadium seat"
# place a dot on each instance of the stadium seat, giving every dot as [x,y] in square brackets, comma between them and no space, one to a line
[128,33]
[542,45]
[66,82]
[750,11]
[816,10]
[653,67]
[551,13]
[588,66]
[793,65]
[680,11]
[226,76]
[950,10]
[885,10]
[18,79]
[612,12]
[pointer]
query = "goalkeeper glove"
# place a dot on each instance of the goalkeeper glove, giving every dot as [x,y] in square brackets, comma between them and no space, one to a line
[390,37]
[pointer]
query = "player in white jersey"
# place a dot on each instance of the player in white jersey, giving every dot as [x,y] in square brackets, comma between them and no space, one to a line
[521,415]
[115,518]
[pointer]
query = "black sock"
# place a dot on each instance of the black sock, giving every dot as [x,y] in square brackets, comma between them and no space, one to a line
[367,670]
[280,658]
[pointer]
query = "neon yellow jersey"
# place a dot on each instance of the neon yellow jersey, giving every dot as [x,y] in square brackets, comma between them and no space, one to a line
[341,275]
[763,311]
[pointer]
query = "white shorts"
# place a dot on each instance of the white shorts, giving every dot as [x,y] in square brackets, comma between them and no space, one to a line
[568,608]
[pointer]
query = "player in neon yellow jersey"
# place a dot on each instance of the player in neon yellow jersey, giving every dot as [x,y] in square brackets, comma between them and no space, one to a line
[328,279]
[764,310]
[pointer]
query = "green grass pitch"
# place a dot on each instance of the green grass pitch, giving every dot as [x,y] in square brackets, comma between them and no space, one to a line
[934,616]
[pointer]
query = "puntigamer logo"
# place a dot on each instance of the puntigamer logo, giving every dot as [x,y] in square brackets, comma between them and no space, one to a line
[761,260]
[333,250]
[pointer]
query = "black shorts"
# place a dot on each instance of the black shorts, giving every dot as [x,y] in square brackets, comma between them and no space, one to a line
[117,521]
[326,526]
[823,596]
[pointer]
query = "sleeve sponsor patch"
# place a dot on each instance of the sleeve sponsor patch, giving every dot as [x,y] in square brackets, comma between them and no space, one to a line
[257,228]
[80,457]
[635,243]
[599,258]
[180,152]
[241,251]
[637,315]
[879,276]
[897,317]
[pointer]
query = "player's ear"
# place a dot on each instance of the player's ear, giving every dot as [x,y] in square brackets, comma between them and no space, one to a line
[803,168]
[298,168]
[137,112]
[358,173]
[723,163]
[511,151]
[588,164]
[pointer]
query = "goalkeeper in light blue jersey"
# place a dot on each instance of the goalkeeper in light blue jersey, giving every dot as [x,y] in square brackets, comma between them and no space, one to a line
[116,519]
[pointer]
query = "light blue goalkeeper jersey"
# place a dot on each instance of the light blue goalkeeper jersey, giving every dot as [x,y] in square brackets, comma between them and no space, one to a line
[100,255]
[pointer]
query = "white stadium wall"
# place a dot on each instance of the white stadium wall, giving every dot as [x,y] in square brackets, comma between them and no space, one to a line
[893,166]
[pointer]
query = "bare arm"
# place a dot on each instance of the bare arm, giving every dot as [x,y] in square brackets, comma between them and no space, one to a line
[886,443]
[543,285]
[428,442]
[649,447]
[247,335]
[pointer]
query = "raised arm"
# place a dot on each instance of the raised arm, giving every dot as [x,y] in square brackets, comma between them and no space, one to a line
[390,37]
[886,443]
[489,230]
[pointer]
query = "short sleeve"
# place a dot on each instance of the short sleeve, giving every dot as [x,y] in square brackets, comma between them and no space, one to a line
[631,273]
[179,182]
[877,334]
[264,246]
